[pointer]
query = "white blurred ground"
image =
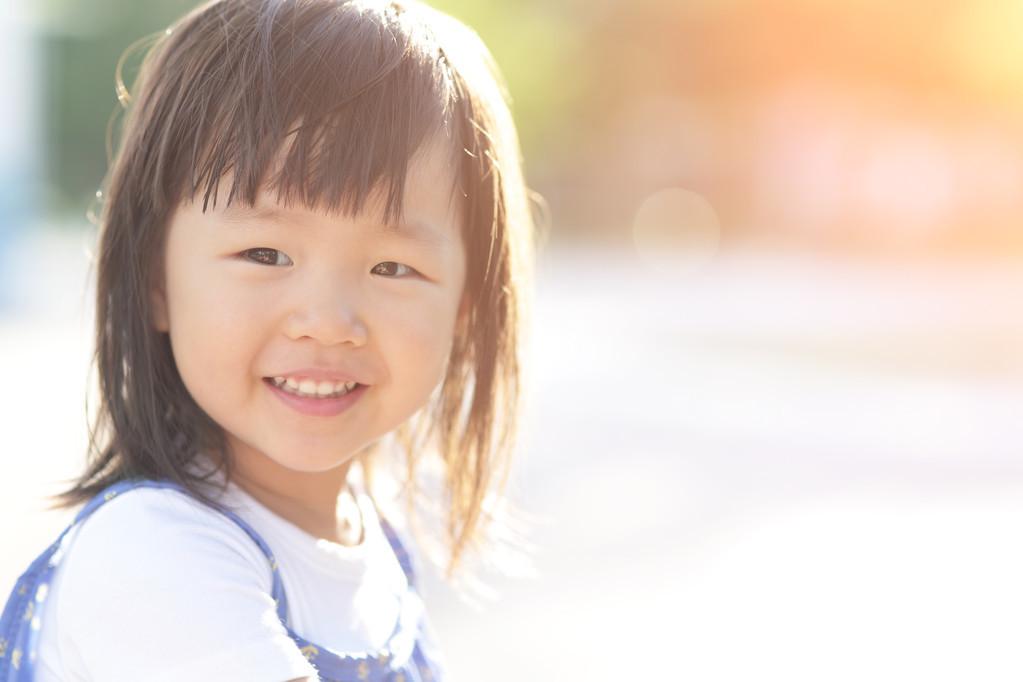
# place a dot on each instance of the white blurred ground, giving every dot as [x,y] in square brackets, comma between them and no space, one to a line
[774,468]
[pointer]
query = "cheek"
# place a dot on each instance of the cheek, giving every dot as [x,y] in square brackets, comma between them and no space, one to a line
[418,343]
[210,332]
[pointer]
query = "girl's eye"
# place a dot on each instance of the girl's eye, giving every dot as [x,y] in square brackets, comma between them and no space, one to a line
[392,268]
[267,256]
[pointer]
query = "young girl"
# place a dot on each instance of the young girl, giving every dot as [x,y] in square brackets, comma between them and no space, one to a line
[314,244]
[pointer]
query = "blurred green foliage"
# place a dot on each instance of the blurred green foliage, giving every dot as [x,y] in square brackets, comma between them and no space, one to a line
[80,51]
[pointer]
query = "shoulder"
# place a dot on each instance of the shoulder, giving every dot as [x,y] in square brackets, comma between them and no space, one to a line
[154,580]
[148,525]
[148,545]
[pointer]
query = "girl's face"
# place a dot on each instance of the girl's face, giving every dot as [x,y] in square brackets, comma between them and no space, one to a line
[250,295]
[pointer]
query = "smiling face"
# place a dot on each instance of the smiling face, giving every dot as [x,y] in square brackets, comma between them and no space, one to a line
[250,294]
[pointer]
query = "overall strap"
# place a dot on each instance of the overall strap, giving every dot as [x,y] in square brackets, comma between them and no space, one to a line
[404,558]
[427,663]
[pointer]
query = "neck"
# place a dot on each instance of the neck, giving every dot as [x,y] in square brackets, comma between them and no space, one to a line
[320,503]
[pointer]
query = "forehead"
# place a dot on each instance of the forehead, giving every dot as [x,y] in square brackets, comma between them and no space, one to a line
[424,229]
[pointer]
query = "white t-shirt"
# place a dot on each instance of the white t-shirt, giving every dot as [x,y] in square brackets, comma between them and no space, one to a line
[155,586]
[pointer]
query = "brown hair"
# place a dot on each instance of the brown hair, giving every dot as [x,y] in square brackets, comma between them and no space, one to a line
[356,88]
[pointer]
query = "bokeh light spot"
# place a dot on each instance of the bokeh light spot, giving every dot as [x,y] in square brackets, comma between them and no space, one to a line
[676,231]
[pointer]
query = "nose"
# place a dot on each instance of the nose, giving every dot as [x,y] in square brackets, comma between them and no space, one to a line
[328,314]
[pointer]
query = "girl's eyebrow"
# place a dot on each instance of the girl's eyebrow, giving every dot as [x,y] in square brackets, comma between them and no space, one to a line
[418,231]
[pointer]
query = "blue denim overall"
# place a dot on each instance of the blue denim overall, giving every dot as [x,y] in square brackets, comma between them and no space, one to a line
[407,656]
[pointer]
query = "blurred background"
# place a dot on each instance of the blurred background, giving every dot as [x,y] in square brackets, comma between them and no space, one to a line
[773,430]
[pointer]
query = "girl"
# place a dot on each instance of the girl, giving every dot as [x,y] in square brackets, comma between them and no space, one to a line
[315,234]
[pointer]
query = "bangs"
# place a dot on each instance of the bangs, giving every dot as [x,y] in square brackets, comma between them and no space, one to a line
[321,103]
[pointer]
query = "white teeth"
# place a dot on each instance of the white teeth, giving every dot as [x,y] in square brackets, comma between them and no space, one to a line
[312,389]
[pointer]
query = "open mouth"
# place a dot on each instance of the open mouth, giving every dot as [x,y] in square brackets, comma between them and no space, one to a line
[322,390]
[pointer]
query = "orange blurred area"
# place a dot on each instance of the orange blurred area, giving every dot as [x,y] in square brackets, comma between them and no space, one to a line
[869,128]
[877,128]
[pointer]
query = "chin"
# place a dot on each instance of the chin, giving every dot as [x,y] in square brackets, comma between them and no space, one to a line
[313,459]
